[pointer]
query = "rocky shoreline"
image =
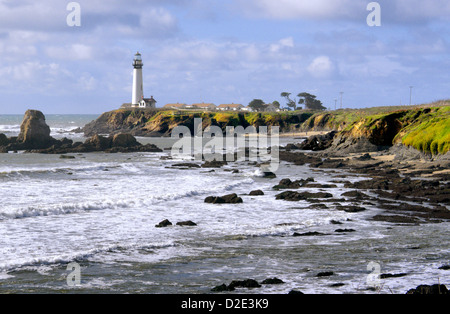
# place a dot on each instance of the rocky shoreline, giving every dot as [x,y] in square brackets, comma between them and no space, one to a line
[411,188]
[396,183]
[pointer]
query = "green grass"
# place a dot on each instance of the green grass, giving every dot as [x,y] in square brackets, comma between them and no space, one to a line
[425,127]
[430,135]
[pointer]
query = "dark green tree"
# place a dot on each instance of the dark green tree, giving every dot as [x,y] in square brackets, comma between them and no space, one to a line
[310,101]
[277,104]
[290,103]
[257,104]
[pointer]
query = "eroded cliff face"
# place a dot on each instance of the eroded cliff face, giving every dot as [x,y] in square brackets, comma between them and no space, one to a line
[425,129]
[119,121]
[154,123]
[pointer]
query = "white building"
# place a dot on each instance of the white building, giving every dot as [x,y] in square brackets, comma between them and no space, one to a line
[203,106]
[270,108]
[230,107]
[138,100]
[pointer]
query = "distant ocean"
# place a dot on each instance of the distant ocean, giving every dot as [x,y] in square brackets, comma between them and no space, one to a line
[60,125]
[100,210]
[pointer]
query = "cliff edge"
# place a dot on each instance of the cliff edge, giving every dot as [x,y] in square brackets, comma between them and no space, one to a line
[160,123]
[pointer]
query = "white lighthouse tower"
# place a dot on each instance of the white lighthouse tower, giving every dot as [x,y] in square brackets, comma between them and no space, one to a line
[138,87]
[137,98]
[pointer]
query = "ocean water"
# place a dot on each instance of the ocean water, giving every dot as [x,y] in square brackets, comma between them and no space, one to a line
[100,210]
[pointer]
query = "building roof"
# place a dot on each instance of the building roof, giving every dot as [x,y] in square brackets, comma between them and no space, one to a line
[231,106]
[150,99]
[174,105]
[203,105]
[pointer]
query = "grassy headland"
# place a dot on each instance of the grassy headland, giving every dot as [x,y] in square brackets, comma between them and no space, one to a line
[424,127]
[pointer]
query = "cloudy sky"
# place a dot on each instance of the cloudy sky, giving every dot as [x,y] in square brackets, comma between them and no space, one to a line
[221,51]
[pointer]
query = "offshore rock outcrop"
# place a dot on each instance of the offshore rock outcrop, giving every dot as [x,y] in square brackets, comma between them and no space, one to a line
[34,134]
[34,131]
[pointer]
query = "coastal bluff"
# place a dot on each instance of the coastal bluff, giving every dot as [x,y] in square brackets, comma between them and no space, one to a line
[412,130]
[160,123]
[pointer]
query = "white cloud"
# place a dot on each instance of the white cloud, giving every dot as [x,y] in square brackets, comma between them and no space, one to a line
[375,66]
[291,9]
[356,10]
[70,52]
[87,82]
[321,67]
[33,15]
[158,21]
[283,43]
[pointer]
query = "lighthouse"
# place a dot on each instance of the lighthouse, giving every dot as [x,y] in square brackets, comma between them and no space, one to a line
[138,100]
[138,87]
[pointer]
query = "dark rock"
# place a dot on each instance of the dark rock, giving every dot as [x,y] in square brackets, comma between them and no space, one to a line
[256,193]
[298,159]
[385,276]
[186,165]
[248,283]
[272,281]
[364,157]
[321,186]
[350,209]
[163,224]
[214,164]
[124,140]
[344,230]
[355,194]
[434,289]
[66,142]
[373,184]
[186,223]
[288,184]
[295,196]
[292,146]
[318,142]
[308,234]
[337,285]
[445,267]
[319,206]
[325,274]
[34,131]
[67,157]
[295,292]
[120,143]
[269,175]
[222,288]
[3,140]
[227,199]
[396,219]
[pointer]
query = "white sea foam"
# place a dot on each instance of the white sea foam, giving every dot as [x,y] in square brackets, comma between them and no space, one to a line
[56,211]
[43,264]
[9,128]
